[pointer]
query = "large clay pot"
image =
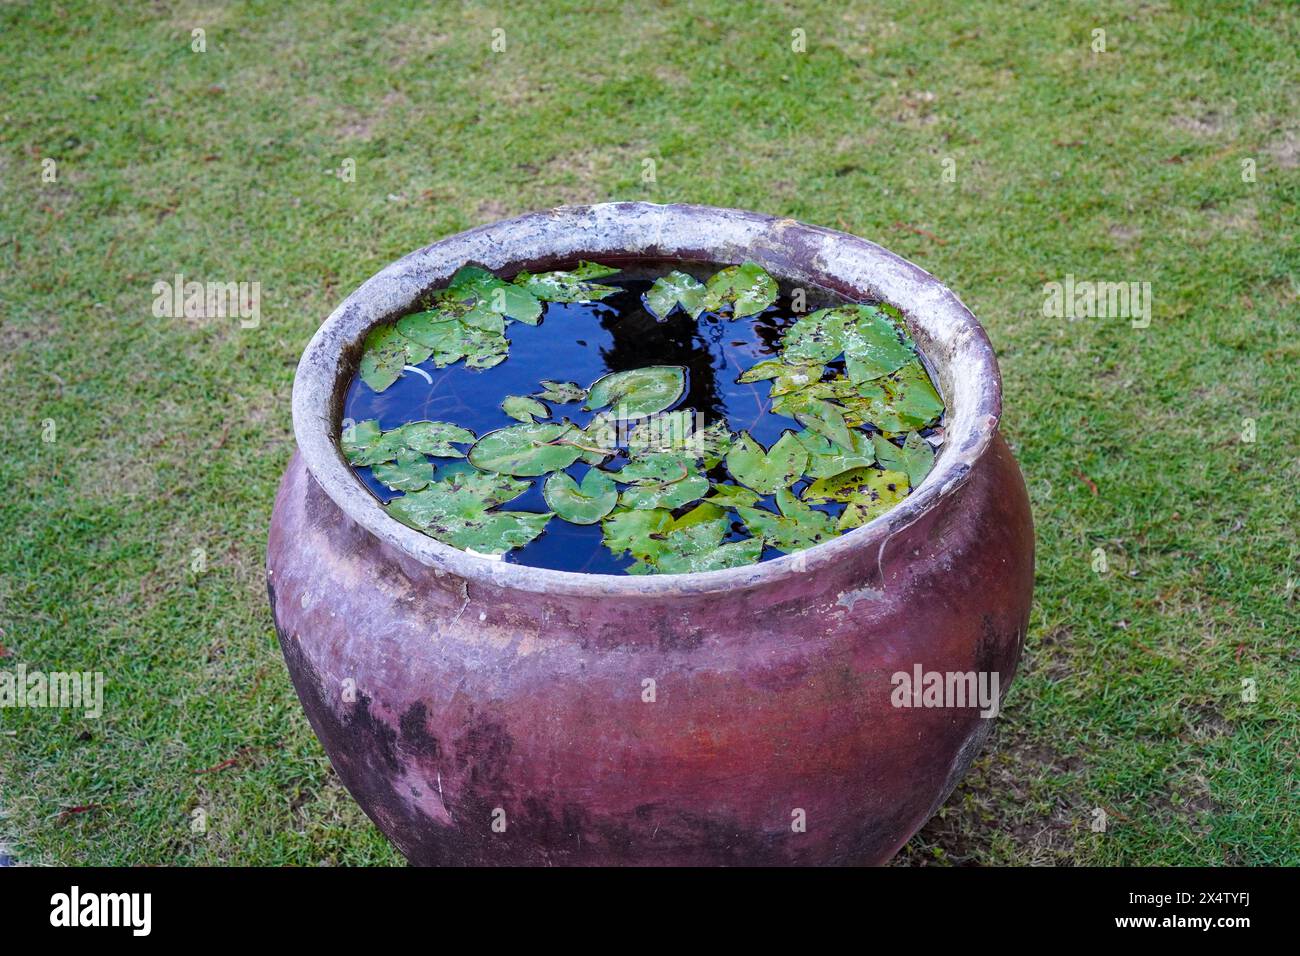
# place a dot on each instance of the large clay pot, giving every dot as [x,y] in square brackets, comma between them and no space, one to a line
[488,713]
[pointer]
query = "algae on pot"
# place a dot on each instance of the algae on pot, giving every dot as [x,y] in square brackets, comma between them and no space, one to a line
[571,420]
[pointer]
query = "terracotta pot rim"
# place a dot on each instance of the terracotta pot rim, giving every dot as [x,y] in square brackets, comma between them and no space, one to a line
[949,336]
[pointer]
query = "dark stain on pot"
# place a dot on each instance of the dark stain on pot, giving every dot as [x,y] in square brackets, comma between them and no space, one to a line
[484,750]
[362,725]
[415,737]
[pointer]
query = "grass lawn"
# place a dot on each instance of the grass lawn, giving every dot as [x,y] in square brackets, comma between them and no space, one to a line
[133,542]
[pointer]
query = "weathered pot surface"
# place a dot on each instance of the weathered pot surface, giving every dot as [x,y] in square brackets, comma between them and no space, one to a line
[483,712]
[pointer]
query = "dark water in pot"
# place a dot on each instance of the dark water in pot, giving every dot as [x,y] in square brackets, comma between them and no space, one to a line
[580,342]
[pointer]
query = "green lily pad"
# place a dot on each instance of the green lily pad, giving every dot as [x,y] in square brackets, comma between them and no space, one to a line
[459,495]
[747,288]
[902,401]
[434,438]
[676,546]
[484,318]
[866,492]
[873,345]
[483,292]
[385,353]
[730,496]
[816,338]
[525,450]
[409,471]
[766,369]
[575,285]
[515,302]
[631,531]
[365,444]
[599,439]
[712,443]
[361,444]
[455,511]
[584,503]
[561,392]
[767,471]
[877,493]
[915,458]
[797,526]
[786,379]
[493,533]
[668,432]
[826,419]
[524,409]
[657,466]
[826,458]
[665,494]
[434,329]
[638,392]
[483,348]
[702,556]
[673,290]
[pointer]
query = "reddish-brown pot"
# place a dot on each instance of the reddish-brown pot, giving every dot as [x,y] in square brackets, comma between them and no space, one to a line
[489,713]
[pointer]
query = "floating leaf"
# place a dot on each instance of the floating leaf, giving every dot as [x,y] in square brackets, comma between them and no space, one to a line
[455,511]
[872,345]
[670,431]
[768,368]
[747,288]
[876,493]
[631,530]
[713,443]
[516,302]
[524,409]
[435,330]
[386,352]
[484,318]
[484,349]
[915,458]
[670,291]
[599,439]
[434,438]
[592,270]
[704,513]
[562,392]
[638,392]
[526,450]
[902,401]
[460,495]
[362,444]
[786,379]
[767,471]
[826,419]
[471,282]
[730,496]
[816,338]
[826,458]
[795,528]
[571,286]
[657,466]
[409,471]
[665,494]
[584,503]
[493,533]
[682,544]
[719,557]
[484,292]
[866,492]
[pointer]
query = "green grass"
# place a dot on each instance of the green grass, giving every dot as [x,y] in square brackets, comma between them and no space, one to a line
[172,434]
